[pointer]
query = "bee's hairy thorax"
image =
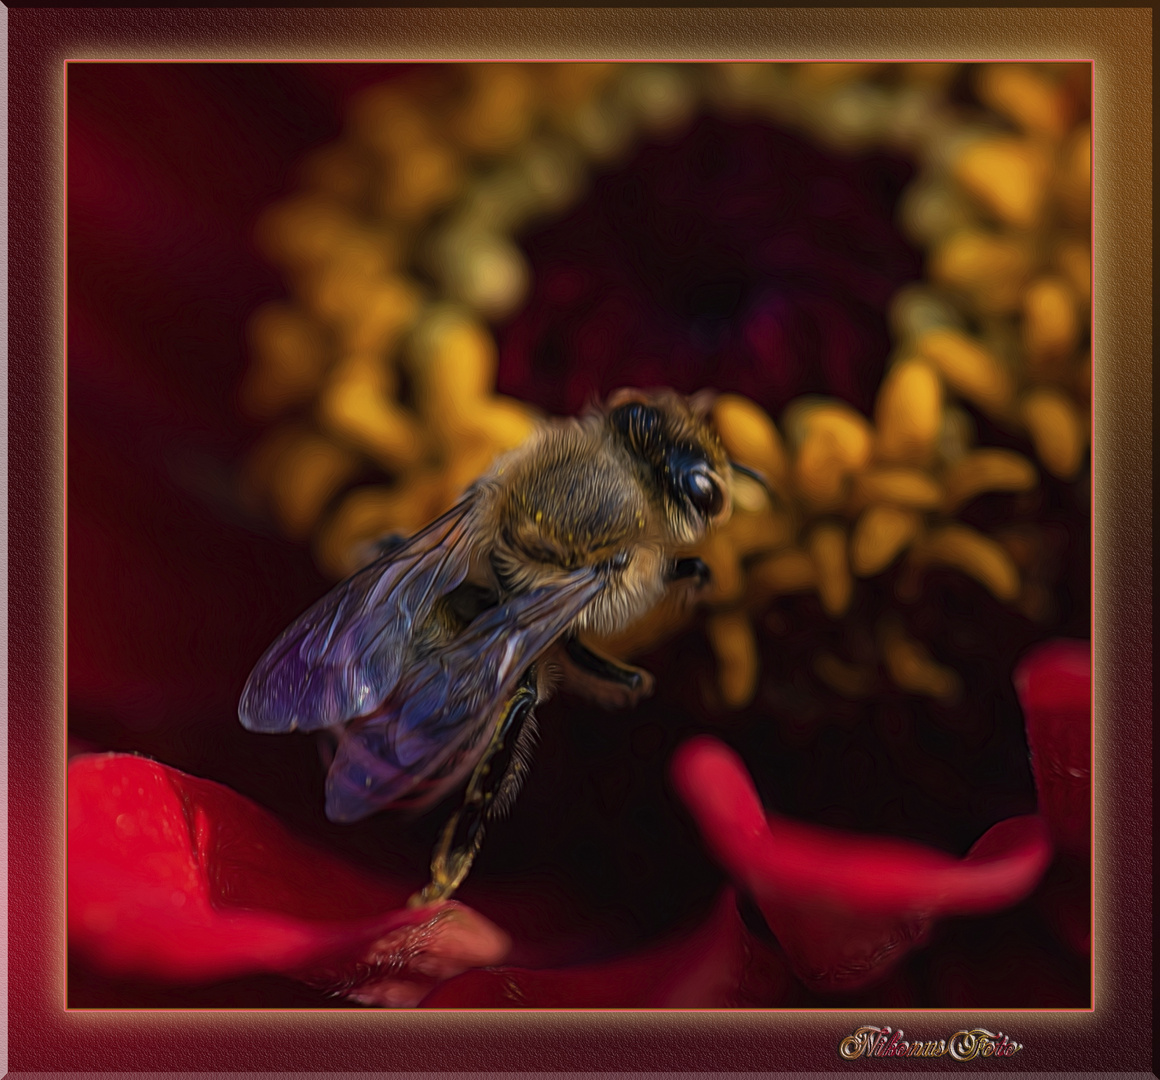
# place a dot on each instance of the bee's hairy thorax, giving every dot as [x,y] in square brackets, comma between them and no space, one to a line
[570,500]
[609,491]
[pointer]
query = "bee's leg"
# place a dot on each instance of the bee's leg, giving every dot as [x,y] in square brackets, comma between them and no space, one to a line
[491,789]
[693,569]
[604,680]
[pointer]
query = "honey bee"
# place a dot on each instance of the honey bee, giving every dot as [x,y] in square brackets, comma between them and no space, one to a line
[427,664]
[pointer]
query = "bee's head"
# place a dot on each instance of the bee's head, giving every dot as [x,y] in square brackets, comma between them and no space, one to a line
[681,457]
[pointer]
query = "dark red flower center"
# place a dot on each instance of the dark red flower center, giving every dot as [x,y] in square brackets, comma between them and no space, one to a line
[738,256]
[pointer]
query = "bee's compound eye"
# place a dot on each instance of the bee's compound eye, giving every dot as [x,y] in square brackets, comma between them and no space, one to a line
[702,490]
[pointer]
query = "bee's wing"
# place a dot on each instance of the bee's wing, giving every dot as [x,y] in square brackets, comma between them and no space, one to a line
[444,709]
[344,656]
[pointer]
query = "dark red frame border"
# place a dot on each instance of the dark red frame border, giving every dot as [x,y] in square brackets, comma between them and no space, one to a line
[43,1037]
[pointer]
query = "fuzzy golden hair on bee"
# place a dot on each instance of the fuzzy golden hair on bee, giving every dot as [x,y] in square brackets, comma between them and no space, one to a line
[616,490]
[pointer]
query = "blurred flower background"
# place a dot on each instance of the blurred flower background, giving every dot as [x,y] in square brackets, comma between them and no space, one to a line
[308,304]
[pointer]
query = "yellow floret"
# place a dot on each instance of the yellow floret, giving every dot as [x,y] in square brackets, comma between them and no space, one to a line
[992,270]
[908,413]
[965,549]
[750,437]
[1056,429]
[1026,95]
[912,667]
[731,637]
[827,545]
[986,470]
[898,486]
[1009,176]
[1050,320]
[969,368]
[880,535]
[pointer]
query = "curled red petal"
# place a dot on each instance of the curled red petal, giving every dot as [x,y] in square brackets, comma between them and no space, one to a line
[180,879]
[777,857]
[847,907]
[1054,683]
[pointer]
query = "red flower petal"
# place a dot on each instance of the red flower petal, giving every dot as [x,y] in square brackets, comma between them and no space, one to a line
[845,907]
[1054,683]
[703,969]
[180,879]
